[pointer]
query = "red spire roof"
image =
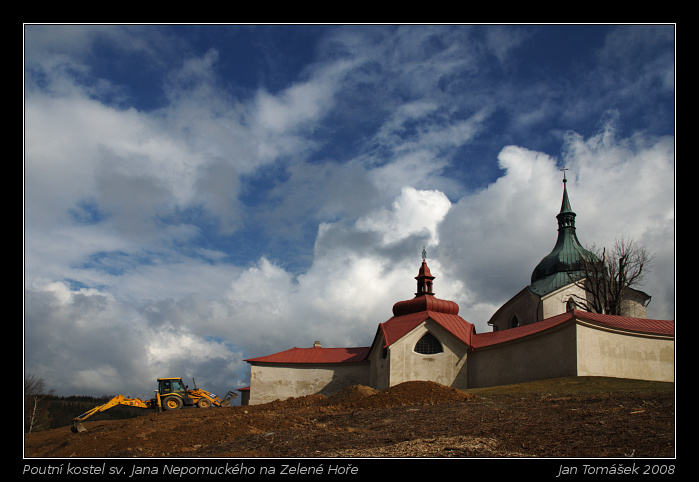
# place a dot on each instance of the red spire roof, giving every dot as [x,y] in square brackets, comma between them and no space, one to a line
[424,271]
[410,313]
[424,298]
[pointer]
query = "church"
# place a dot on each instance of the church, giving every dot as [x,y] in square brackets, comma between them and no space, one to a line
[540,333]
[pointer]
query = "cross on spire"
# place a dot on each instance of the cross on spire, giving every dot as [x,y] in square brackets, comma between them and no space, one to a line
[564,169]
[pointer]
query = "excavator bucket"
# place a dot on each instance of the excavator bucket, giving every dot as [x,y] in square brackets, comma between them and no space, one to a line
[77,427]
[226,402]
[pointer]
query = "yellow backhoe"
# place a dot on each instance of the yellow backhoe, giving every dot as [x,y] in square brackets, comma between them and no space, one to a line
[170,395]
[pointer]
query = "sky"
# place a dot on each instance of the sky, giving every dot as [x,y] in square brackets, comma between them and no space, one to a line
[196,195]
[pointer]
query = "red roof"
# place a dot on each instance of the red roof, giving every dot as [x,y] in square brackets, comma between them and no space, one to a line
[314,355]
[398,326]
[426,302]
[410,313]
[641,325]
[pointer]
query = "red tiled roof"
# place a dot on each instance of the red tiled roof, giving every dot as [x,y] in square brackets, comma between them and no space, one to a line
[398,326]
[641,325]
[494,337]
[314,355]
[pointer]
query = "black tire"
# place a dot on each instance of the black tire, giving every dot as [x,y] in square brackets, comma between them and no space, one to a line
[203,403]
[172,403]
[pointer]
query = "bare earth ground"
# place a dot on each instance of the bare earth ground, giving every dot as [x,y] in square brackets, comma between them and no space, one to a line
[574,417]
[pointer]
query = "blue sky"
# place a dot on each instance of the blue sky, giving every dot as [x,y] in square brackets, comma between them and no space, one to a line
[200,194]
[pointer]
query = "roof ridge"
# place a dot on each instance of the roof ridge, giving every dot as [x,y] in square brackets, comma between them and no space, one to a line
[640,325]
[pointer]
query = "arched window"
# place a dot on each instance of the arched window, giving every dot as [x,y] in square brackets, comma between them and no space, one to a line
[428,345]
[514,322]
[570,305]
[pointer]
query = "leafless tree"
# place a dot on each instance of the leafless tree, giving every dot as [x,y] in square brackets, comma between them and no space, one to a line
[609,276]
[35,413]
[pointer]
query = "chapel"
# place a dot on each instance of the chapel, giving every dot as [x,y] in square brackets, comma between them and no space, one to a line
[538,334]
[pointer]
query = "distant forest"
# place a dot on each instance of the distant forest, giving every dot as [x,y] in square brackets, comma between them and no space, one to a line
[46,412]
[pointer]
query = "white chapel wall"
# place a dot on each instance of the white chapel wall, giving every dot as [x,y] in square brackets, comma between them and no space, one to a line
[446,368]
[280,382]
[550,354]
[610,353]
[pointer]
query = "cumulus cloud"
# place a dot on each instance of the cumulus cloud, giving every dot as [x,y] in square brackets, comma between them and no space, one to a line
[511,221]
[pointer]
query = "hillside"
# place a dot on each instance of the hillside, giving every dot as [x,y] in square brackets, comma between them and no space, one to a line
[567,417]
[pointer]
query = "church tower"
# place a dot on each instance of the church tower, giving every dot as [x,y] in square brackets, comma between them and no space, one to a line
[565,263]
[553,288]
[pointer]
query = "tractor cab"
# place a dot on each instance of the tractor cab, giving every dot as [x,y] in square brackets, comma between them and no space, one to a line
[167,386]
[172,393]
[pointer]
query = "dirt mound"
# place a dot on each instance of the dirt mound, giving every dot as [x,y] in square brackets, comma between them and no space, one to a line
[423,393]
[292,403]
[413,419]
[350,397]
[403,394]
[364,397]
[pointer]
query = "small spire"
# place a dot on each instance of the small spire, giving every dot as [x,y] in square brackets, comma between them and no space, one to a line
[565,204]
[424,277]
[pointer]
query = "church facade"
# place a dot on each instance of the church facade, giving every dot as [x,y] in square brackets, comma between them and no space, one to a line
[538,334]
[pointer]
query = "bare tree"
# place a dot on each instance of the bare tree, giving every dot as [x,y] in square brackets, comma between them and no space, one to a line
[35,413]
[610,276]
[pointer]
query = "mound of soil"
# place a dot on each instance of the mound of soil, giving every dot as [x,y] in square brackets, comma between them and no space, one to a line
[413,419]
[408,393]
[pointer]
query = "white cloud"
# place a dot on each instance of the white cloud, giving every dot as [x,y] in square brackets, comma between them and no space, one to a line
[350,287]
[411,213]
[490,238]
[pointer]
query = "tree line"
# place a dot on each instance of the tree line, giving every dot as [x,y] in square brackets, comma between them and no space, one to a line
[43,410]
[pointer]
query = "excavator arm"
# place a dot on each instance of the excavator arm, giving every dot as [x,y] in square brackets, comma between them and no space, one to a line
[206,399]
[118,400]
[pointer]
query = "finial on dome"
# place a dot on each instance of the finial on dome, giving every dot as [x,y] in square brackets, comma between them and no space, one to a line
[424,254]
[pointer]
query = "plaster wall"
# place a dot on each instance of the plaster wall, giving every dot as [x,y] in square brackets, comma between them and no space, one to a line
[272,382]
[609,353]
[380,360]
[550,354]
[555,303]
[524,305]
[634,305]
[405,364]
